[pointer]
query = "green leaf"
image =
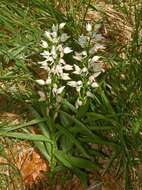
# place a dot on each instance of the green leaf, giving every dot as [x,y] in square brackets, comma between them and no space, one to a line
[31,137]
[82,163]
[79,124]
[27,124]
[73,140]
[69,106]
[82,111]
[97,140]
[64,159]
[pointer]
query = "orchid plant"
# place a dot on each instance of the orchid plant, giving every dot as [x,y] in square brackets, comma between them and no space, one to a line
[69,71]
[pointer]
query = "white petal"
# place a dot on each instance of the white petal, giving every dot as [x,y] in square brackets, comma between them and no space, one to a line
[99,37]
[59,69]
[88,27]
[42,96]
[40,82]
[91,78]
[62,61]
[77,70]
[99,46]
[94,85]
[78,103]
[96,74]
[78,56]
[54,35]
[84,53]
[68,67]
[95,58]
[45,54]
[50,59]
[84,70]
[43,63]
[64,37]
[79,83]
[67,50]
[48,35]
[89,94]
[82,41]
[65,76]
[72,83]
[48,81]
[54,91]
[60,90]
[61,26]
[55,28]
[78,88]
[44,44]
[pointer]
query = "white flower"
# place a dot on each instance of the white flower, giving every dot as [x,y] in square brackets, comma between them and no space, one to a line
[65,76]
[45,54]
[68,67]
[42,96]
[59,69]
[95,58]
[89,94]
[43,63]
[48,35]
[99,46]
[96,74]
[61,50]
[84,53]
[72,83]
[60,90]
[96,47]
[94,85]
[77,70]
[40,82]
[62,61]
[61,25]
[64,37]
[54,35]
[67,50]
[80,56]
[50,59]
[99,37]
[79,82]
[84,70]
[77,57]
[48,81]
[55,28]
[92,77]
[82,41]
[56,90]
[78,103]
[75,84]
[44,44]
[88,27]
[78,88]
